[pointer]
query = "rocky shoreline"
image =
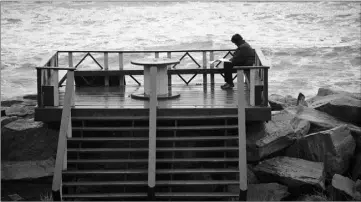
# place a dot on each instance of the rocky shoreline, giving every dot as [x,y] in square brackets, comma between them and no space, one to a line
[310,150]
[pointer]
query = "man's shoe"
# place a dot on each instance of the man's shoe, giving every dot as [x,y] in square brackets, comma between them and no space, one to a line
[224,85]
[227,86]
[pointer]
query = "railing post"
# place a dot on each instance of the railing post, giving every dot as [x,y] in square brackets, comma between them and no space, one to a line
[152,132]
[204,67]
[169,55]
[211,58]
[242,153]
[252,84]
[70,59]
[40,93]
[54,78]
[65,131]
[121,66]
[265,87]
[106,67]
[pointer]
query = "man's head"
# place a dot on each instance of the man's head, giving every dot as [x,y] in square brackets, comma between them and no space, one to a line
[237,39]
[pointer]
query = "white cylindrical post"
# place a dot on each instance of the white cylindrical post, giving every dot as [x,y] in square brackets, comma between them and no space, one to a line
[242,153]
[152,132]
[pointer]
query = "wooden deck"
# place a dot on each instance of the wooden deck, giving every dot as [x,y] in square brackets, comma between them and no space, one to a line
[193,96]
[194,100]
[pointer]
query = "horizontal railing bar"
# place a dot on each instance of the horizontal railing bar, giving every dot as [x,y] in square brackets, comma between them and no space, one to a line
[143,51]
[250,67]
[57,68]
[170,71]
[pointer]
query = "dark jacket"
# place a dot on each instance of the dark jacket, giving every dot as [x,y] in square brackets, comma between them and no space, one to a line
[244,55]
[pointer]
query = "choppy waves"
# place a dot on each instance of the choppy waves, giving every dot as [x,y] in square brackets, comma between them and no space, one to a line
[310,45]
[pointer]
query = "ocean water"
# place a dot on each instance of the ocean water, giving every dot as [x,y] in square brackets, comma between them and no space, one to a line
[310,45]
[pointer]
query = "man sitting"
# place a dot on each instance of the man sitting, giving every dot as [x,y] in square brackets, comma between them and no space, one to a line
[243,56]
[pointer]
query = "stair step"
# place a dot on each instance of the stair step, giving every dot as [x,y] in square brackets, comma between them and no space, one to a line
[158,149]
[158,160]
[125,118]
[79,139]
[159,171]
[196,182]
[102,183]
[106,195]
[158,183]
[110,128]
[197,194]
[161,128]
[77,172]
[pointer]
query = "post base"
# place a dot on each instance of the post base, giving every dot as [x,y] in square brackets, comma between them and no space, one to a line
[242,195]
[151,194]
[56,195]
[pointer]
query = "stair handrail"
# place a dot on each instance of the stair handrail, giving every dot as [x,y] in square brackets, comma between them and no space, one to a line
[242,153]
[65,131]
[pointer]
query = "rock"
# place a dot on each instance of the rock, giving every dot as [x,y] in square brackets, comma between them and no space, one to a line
[31,96]
[344,188]
[292,172]
[251,177]
[357,187]
[6,119]
[356,170]
[27,169]
[301,100]
[264,139]
[19,110]
[327,91]
[340,106]
[333,147]
[8,103]
[263,192]
[323,121]
[28,143]
[24,124]
[313,197]
[279,102]
[300,127]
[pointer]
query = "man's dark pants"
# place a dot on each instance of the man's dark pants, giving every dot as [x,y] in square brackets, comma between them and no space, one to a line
[228,67]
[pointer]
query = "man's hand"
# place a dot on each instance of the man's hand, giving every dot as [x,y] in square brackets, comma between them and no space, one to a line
[220,60]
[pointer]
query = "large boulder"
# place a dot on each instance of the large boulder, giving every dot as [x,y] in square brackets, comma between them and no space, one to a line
[251,177]
[20,110]
[292,172]
[263,192]
[11,170]
[343,188]
[300,126]
[26,139]
[333,147]
[7,119]
[24,124]
[279,102]
[327,91]
[266,138]
[340,106]
[356,168]
[322,121]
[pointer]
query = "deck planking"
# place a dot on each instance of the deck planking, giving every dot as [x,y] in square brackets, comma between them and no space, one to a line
[195,100]
[192,96]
